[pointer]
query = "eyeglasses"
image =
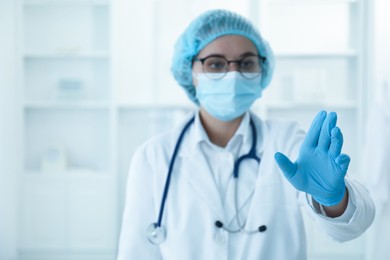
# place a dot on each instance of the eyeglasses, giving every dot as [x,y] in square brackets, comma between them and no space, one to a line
[215,67]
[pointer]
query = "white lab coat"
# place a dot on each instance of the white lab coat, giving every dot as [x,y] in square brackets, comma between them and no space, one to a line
[194,203]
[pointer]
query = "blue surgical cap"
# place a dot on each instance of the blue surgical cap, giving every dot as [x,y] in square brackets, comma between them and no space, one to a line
[205,29]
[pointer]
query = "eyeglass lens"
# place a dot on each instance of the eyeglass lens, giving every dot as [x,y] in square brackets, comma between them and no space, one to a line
[250,67]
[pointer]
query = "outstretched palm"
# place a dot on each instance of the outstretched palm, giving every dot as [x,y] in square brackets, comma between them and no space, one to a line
[321,167]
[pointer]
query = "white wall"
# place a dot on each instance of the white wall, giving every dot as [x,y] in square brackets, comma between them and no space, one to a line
[378,235]
[8,118]
[381,46]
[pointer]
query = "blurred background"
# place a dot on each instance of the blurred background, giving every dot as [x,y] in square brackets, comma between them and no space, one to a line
[85,82]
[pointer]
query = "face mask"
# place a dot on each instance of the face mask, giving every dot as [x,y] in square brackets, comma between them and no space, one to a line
[229,97]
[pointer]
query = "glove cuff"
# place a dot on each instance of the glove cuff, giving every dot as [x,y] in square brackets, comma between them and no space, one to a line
[332,201]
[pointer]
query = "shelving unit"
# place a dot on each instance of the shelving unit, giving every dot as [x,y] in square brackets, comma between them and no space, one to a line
[66,105]
[67,185]
[319,66]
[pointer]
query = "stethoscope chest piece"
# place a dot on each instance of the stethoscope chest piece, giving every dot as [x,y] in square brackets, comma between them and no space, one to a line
[156,234]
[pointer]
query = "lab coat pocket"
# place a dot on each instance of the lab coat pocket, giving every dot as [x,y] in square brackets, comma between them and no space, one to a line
[272,194]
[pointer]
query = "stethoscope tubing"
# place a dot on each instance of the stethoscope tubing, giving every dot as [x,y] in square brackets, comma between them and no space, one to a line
[219,224]
[250,155]
[170,170]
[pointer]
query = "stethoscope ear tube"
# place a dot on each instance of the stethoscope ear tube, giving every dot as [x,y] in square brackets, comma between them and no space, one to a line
[251,155]
[220,225]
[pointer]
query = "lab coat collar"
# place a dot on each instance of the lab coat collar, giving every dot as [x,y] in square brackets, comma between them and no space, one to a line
[199,135]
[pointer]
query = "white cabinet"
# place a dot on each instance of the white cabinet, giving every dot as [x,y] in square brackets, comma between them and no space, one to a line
[68,199]
[42,214]
[92,211]
[67,212]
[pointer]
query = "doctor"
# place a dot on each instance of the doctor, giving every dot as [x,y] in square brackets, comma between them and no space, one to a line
[226,184]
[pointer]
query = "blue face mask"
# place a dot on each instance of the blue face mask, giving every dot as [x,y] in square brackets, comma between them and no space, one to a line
[229,97]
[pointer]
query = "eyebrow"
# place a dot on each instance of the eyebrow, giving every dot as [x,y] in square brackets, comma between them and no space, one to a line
[245,54]
[248,53]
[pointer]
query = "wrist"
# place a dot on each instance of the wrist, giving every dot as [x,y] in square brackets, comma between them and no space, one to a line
[339,209]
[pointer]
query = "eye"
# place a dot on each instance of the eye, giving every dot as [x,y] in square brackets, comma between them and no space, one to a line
[250,64]
[247,64]
[215,64]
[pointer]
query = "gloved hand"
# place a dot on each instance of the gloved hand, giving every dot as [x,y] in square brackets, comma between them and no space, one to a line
[320,168]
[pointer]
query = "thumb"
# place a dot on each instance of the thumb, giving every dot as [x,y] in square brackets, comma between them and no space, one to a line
[343,161]
[288,168]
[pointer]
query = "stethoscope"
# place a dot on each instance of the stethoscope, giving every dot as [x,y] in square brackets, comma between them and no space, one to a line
[156,233]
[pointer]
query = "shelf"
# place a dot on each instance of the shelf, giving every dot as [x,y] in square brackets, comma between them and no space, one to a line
[124,106]
[317,54]
[67,54]
[300,105]
[70,173]
[67,149]
[64,104]
[77,3]
[311,2]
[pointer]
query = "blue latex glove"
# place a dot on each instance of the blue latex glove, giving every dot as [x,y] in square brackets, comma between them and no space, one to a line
[320,168]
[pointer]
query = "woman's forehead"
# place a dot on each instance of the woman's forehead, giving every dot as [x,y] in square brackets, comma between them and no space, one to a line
[230,46]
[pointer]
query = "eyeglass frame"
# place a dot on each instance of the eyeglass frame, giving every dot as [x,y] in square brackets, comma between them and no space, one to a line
[202,60]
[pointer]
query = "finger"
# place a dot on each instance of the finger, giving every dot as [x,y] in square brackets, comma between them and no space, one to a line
[311,139]
[325,135]
[288,168]
[343,161]
[336,142]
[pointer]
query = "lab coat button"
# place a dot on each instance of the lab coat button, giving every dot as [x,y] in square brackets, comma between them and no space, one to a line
[220,237]
[262,228]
